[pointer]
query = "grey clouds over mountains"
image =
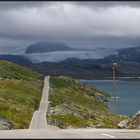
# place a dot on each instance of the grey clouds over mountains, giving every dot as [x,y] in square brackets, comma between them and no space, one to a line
[78,24]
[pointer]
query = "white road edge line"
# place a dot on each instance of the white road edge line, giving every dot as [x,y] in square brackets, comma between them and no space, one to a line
[108,135]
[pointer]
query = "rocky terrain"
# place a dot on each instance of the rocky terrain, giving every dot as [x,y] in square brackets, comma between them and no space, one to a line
[131,54]
[77,105]
[5,124]
[131,123]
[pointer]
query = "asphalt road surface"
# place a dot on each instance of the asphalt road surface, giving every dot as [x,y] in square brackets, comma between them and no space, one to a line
[39,129]
[39,117]
[71,133]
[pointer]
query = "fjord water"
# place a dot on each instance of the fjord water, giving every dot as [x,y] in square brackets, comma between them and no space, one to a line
[128,92]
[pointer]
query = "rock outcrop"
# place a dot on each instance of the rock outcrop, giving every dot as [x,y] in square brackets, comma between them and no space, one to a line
[5,124]
[133,122]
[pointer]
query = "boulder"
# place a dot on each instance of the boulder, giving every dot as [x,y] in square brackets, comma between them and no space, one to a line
[133,122]
[5,124]
[123,124]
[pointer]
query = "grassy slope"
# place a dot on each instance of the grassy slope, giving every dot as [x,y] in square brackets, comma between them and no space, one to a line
[78,105]
[20,93]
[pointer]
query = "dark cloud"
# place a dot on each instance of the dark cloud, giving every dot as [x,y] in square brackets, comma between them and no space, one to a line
[94,4]
[16,5]
[106,4]
[93,23]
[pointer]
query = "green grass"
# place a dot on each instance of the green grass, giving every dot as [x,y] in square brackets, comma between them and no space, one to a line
[70,119]
[11,70]
[79,105]
[20,93]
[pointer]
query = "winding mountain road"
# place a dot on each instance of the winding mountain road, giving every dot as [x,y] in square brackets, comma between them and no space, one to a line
[39,129]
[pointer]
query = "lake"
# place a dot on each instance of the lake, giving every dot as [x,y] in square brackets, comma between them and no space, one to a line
[128,92]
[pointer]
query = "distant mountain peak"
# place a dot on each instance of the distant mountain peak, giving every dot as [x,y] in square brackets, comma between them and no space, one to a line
[41,47]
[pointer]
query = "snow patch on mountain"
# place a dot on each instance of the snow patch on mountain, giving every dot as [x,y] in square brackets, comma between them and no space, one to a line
[56,56]
[62,55]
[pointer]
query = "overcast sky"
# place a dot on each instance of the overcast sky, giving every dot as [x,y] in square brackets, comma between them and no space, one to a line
[78,24]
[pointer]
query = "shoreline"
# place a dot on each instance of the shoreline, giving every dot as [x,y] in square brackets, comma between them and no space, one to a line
[117,79]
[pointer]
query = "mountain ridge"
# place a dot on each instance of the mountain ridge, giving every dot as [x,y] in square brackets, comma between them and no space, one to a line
[128,66]
[41,47]
[18,59]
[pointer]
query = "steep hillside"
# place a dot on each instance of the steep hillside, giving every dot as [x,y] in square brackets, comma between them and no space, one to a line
[20,93]
[73,104]
[42,47]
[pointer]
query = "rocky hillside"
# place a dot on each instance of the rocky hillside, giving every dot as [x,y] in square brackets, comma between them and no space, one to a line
[5,124]
[127,54]
[74,104]
[132,123]
[20,93]
[42,47]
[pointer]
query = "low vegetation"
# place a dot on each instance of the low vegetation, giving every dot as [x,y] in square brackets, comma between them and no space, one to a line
[20,93]
[74,104]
